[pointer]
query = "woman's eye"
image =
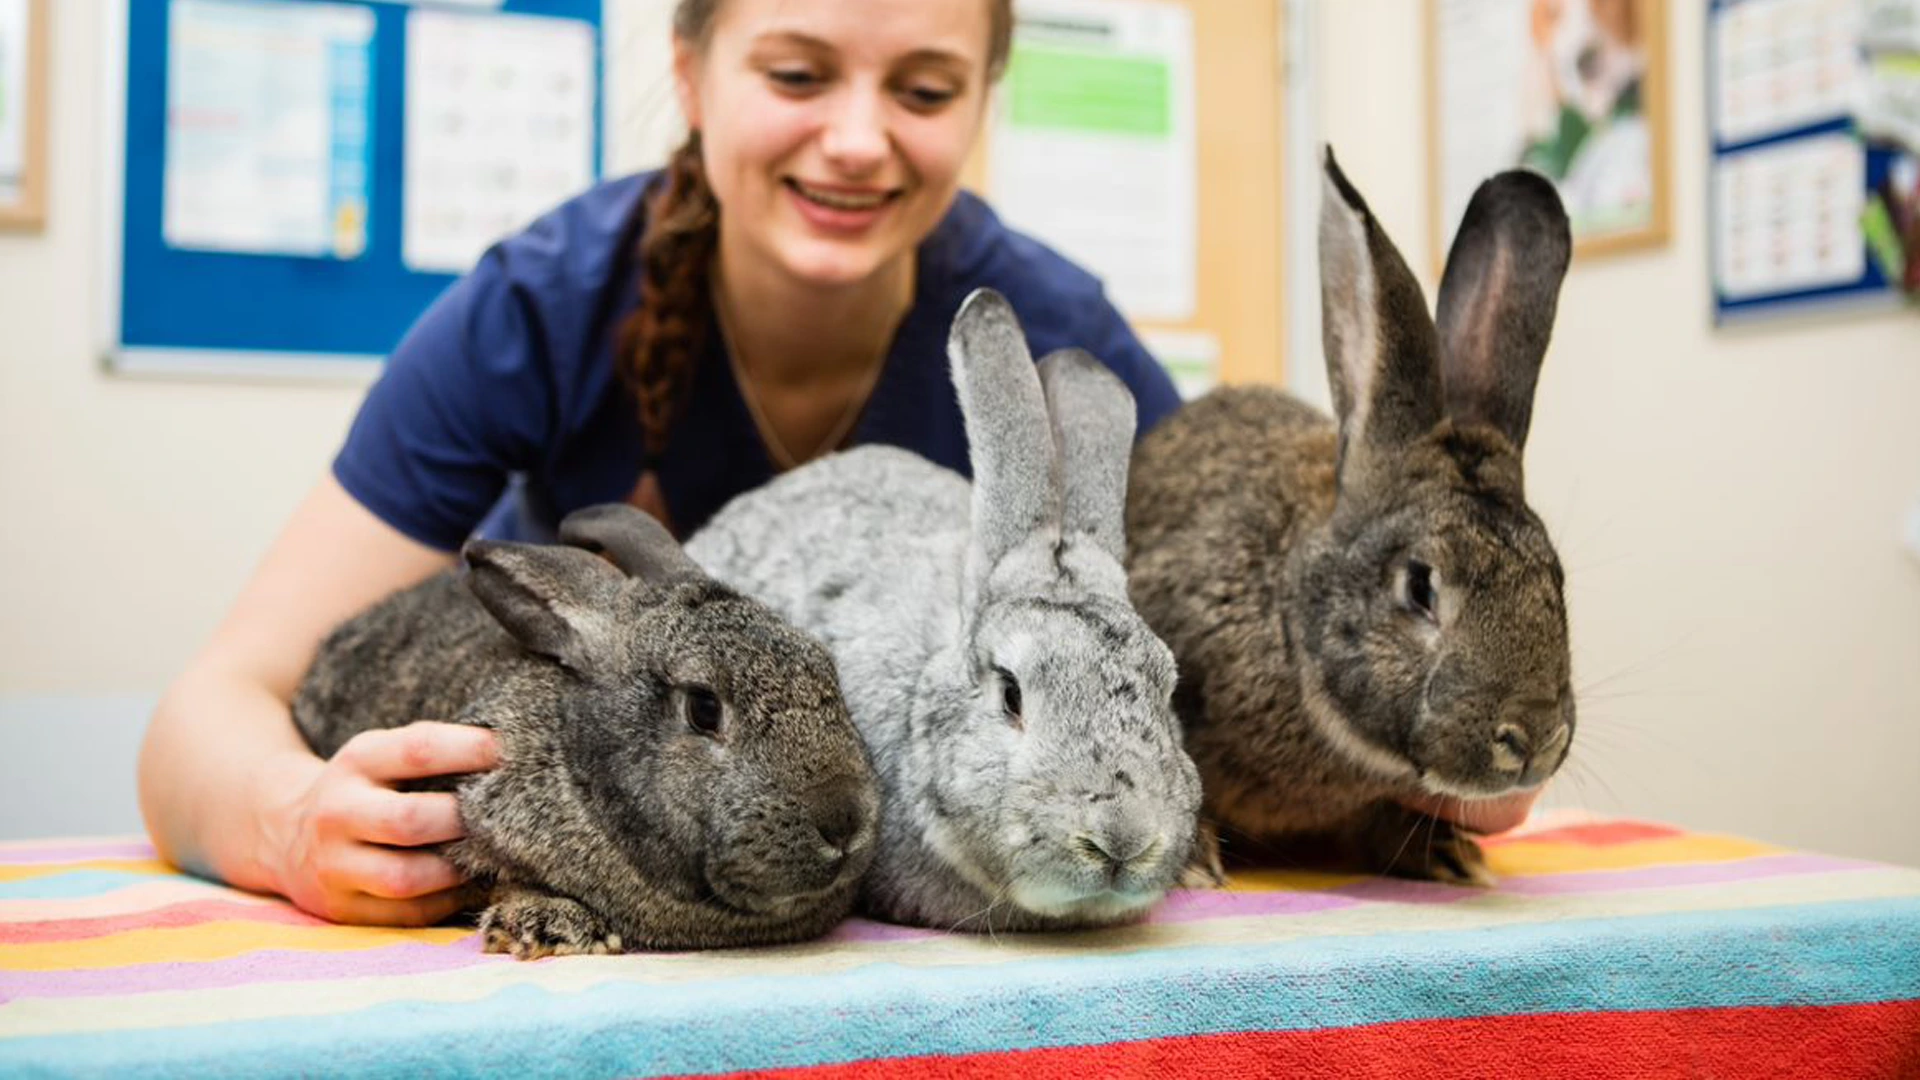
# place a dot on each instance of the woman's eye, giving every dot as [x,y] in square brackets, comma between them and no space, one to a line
[1420,590]
[1009,696]
[793,78]
[703,710]
[927,98]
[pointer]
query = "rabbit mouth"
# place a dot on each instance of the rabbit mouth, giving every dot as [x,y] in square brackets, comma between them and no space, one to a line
[1105,904]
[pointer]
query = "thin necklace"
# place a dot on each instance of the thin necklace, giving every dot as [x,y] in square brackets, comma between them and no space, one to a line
[783,458]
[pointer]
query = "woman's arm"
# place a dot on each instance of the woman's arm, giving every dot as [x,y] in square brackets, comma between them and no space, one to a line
[227,785]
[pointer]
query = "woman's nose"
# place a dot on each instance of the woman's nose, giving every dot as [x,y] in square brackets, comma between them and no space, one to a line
[856,139]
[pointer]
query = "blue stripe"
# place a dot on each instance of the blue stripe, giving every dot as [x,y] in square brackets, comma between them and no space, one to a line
[74,883]
[1827,954]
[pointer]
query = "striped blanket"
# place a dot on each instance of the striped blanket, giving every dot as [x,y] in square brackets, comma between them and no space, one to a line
[1611,948]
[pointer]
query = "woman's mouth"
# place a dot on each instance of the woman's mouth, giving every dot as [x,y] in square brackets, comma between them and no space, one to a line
[840,209]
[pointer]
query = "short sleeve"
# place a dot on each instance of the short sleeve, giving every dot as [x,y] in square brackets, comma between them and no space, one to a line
[465,401]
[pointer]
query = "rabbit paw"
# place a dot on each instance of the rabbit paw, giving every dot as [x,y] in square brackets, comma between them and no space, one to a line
[1405,844]
[1203,869]
[531,925]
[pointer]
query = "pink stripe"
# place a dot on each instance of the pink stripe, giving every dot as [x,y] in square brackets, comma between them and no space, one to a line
[30,855]
[170,917]
[264,966]
[1655,877]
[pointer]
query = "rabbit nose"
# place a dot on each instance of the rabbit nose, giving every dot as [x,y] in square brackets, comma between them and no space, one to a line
[838,817]
[1117,843]
[1510,748]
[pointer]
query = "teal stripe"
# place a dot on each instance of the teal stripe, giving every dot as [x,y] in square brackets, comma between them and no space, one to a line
[1828,954]
[76,883]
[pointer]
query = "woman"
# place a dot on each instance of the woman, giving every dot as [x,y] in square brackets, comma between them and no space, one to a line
[781,289]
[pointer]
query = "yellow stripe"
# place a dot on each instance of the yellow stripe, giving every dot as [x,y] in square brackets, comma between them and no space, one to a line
[1525,858]
[29,871]
[210,941]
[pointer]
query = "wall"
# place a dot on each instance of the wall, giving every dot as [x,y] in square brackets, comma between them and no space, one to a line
[1728,504]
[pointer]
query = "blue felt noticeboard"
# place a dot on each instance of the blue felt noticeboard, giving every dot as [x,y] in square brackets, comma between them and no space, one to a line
[217,310]
[1871,286]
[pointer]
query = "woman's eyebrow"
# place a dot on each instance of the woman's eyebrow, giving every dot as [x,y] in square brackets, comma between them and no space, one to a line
[932,56]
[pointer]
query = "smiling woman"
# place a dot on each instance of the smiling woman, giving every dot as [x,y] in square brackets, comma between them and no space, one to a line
[780,290]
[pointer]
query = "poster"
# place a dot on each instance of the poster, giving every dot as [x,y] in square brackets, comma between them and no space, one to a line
[1571,90]
[13,98]
[268,142]
[500,129]
[1092,148]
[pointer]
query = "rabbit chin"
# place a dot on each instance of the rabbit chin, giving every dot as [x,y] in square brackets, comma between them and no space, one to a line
[1056,900]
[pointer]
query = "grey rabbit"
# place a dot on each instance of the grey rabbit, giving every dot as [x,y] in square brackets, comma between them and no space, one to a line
[1368,611]
[678,769]
[1018,710]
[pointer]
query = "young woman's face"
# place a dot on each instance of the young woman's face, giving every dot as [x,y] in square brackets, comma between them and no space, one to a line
[834,130]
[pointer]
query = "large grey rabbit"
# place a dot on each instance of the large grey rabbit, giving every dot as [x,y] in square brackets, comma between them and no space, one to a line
[1017,708]
[1369,612]
[677,766]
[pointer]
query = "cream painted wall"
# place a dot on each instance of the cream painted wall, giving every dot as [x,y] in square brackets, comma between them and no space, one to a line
[1728,504]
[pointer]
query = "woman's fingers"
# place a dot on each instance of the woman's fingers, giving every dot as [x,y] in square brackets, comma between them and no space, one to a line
[421,749]
[408,819]
[365,910]
[393,874]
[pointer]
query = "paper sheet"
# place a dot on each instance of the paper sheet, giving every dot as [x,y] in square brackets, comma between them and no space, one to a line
[1092,149]
[13,97]
[268,123]
[1783,64]
[1788,216]
[500,129]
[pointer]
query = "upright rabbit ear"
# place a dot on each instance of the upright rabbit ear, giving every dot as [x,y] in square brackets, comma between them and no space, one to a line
[1093,421]
[1016,475]
[640,546]
[556,601]
[1497,300]
[1382,352]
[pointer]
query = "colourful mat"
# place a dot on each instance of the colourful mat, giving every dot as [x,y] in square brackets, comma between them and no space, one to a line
[1611,949]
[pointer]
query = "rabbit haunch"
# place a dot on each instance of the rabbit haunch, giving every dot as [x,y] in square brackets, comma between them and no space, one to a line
[1017,708]
[677,770]
[1366,612]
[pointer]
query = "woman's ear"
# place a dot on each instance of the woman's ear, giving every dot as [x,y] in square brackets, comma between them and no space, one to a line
[686,80]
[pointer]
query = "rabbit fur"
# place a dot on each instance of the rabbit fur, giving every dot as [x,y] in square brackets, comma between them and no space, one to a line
[1367,611]
[1018,710]
[677,768]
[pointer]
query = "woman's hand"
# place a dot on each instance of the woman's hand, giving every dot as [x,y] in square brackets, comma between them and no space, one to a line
[340,844]
[1485,816]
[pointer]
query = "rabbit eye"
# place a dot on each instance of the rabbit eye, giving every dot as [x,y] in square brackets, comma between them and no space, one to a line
[1009,695]
[1420,591]
[703,710]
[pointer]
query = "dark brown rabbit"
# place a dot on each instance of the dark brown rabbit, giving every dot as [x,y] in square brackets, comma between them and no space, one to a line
[678,769]
[1369,612]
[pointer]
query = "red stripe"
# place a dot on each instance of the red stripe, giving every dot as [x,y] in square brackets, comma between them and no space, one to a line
[1837,1042]
[188,913]
[1595,834]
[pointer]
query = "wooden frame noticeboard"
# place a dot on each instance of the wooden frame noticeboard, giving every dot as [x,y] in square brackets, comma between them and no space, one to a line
[1577,91]
[23,201]
[1239,297]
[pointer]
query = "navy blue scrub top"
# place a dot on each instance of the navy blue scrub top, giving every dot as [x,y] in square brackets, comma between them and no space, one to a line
[501,410]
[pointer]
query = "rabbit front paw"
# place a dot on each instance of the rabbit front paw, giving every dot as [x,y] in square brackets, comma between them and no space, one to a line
[1405,844]
[532,924]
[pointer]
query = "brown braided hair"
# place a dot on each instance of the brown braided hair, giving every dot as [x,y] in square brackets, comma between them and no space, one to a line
[660,343]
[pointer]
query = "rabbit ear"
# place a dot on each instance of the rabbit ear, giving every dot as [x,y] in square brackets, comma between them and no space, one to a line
[1382,351]
[1497,300]
[554,600]
[1093,421]
[1016,475]
[640,546]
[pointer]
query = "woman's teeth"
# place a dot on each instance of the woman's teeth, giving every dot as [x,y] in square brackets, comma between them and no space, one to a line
[842,201]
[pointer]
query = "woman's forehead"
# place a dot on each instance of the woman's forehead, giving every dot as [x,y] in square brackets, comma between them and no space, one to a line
[885,30]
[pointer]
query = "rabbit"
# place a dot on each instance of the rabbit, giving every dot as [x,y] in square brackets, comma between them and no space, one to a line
[1018,710]
[678,769]
[1368,611]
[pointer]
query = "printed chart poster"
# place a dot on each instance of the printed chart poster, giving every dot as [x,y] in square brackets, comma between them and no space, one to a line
[1093,148]
[269,109]
[13,97]
[500,129]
